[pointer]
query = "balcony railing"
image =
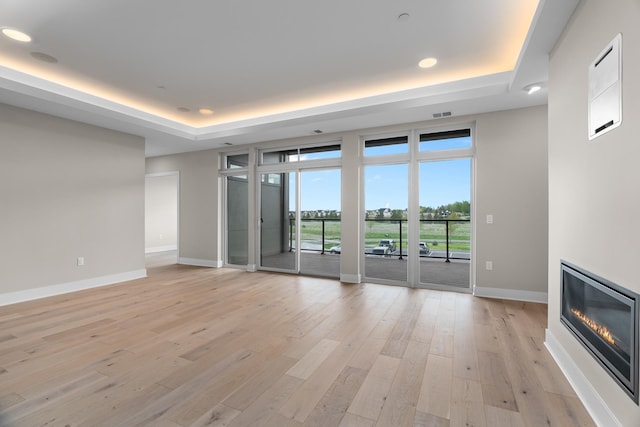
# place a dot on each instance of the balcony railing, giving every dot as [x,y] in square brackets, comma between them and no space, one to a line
[443,238]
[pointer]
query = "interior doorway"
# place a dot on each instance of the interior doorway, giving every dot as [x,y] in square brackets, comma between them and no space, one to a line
[161,218]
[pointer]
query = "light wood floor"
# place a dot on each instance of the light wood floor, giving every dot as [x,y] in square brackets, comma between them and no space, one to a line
[211,347]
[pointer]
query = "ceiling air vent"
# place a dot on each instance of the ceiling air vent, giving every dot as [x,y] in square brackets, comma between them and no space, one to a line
[443,114]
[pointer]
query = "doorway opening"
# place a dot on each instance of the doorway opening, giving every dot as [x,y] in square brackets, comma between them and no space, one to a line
[161,218]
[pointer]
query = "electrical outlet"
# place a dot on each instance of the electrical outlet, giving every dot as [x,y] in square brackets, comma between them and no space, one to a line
[489,265]
[80,261]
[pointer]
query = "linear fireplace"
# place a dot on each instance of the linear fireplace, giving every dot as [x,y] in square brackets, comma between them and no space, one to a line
[604,318]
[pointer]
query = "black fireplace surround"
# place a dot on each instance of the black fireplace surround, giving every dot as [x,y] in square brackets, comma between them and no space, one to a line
[604,318]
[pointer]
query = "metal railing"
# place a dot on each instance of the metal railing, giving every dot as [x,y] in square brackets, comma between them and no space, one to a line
[457,242]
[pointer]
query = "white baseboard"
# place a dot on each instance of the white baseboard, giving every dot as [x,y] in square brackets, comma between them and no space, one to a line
[200,262]
[64,288]
[160,249]
[252,268]
[511,294]
[590,398]
[350,278]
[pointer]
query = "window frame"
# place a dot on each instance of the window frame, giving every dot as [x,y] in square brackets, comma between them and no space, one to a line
[224,156]
[450,153]
[298,148]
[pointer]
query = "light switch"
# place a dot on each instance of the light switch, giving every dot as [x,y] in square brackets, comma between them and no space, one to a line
[489,219]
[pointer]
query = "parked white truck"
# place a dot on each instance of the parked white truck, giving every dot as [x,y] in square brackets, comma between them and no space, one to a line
[385,247]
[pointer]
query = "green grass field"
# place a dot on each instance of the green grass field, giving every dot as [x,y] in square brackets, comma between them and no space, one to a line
[434,234]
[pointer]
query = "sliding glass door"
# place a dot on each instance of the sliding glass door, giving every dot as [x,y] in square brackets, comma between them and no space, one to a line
[320,245]
[445,226]
[278,210]
[385,226]
[300,200]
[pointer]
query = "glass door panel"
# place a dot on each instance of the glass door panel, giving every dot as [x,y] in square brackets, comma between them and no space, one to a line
[385,227]
[445,223]
[237,220]
[278,221]
[320,200]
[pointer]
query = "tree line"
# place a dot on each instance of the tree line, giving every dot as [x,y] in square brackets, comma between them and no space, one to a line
[455,210]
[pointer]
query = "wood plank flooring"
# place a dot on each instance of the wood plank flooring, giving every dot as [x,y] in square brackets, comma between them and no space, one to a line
[195,346]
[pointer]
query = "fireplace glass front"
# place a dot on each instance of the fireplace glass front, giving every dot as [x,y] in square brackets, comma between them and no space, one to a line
[604,318]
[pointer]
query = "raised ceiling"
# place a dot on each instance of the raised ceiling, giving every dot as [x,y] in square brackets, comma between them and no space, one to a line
[272,69]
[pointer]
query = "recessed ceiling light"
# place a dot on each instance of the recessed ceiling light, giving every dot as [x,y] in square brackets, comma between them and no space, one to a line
[40,56]
[531,89]
[183,109]
[427,62]
[16,35]
[403,17]
[206,111]
[534,89]
[318,131]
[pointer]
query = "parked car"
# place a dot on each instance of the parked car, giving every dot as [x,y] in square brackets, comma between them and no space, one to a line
[385,247]
[335,249]
[424,249]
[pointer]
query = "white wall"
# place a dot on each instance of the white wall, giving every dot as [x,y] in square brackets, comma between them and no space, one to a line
[161,212]
[594,193]
[67,190]
[199,223]
[511,184]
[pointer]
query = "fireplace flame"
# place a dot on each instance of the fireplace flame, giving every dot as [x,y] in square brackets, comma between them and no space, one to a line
[597,328]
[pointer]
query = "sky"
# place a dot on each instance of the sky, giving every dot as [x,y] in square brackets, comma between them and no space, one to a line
[441,183]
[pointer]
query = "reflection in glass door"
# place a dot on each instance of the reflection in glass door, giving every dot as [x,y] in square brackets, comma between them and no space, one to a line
[278,221]
[320,245]
[445,222]
[385,227]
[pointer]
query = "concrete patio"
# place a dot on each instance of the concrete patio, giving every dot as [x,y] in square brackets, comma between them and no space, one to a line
[432,270]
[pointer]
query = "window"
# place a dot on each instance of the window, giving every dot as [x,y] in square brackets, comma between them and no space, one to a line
[237,161]
[386,146]
[417,188]
[447,140]
[301,154]
[235,174]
